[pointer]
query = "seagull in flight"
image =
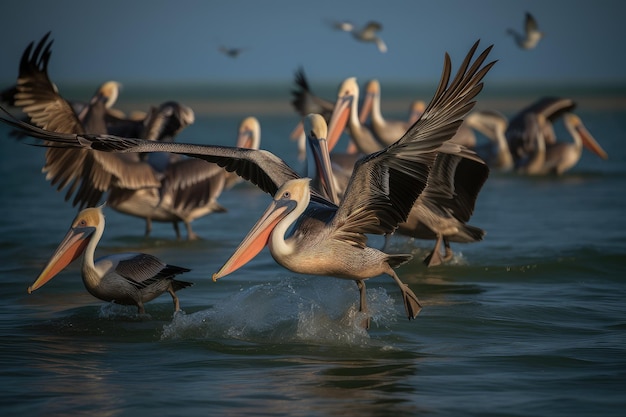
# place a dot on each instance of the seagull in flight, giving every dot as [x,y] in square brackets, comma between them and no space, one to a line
[532,35]
[368,33]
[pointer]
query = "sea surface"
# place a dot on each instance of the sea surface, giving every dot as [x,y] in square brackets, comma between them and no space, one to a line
[529,322]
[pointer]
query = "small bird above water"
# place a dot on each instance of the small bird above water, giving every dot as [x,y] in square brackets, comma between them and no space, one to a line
[531,36]
[231,52]
[368,33]
[123,278]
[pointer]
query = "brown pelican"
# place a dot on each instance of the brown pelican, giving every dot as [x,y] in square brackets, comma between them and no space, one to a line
[368,33]
[557,158]
[155,188]
[248,136]
[522,144]
[327,239]
[386,130]
[531,35]
[492,125]
[305,102]
[123,278]
[443,209]
[447,203]
[362,136]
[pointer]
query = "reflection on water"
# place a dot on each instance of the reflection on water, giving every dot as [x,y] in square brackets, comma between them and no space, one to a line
[69,377]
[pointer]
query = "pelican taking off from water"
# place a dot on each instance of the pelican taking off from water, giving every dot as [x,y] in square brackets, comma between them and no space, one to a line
[123,278]
[327,239]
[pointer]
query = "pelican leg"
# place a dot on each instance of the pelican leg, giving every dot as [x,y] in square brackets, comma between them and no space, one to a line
[411,303]
[449,254]
[176,229]
[140,308]
[190,233]
[174,298]
[434,258]
[363,303]
[148,226]
[387,240]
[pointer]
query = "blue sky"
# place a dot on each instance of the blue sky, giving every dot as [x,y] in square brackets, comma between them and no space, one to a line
[177,41]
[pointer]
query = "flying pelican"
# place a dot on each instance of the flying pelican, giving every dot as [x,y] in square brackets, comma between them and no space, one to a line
[447,203]
[368,33]
[327,239]
[158,187]
[442,209]
[531,36]
[561,158]
[123,278]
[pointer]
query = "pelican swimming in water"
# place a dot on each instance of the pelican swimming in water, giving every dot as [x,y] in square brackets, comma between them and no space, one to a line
[123,278]
[327,239]
[386,130]
[493,125]
[531,36]
[560,156]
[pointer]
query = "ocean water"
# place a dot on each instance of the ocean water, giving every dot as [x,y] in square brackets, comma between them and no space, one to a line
[531,321]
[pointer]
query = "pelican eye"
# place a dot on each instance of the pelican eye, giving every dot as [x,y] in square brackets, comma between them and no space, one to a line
[286,194]
[82,223]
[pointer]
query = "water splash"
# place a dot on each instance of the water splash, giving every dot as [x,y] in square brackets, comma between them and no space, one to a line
[294,309]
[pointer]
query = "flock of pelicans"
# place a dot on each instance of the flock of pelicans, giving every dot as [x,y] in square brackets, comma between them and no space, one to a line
[418,177]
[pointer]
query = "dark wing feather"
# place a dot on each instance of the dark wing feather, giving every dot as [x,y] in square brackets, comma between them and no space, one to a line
[385,185]
[144,270]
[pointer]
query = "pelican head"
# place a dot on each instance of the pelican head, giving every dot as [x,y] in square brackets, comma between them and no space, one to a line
[577,127]
[110,90]
[348,94]
[289,202]
[73,244]
[249,133]
[416,110]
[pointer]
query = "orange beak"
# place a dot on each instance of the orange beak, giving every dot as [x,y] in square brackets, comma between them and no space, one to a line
[338,120]
[590,143]
[297,131]
[257,238]
[68,250]
[366,107]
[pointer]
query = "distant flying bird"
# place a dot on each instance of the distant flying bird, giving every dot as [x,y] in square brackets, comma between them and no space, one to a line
[532,35]
[369,32]
[231,52]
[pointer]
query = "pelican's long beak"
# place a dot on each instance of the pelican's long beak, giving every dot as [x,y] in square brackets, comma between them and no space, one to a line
[69,249]
[324,168]
[589,141]
[297,131]
[338,120]
[257,238]
[366,107]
